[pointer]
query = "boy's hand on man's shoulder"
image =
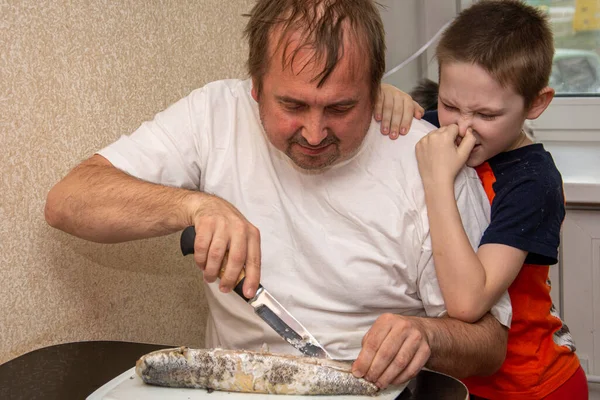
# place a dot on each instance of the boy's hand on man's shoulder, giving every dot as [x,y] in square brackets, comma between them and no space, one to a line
[395,110]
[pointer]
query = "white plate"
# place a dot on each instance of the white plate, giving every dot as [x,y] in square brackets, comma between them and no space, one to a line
[129,386]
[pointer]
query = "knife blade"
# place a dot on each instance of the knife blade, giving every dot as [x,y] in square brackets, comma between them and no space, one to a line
[266,307]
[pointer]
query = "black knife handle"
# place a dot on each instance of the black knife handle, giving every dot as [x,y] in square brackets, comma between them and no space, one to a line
[239,289]
[186,242]
[188,237]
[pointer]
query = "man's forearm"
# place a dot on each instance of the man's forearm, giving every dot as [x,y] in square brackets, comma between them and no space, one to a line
[461,349]
[98,202]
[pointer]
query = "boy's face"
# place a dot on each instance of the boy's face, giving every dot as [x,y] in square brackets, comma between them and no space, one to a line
[470,97]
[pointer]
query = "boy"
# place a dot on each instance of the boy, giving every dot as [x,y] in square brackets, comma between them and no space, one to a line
[495,61]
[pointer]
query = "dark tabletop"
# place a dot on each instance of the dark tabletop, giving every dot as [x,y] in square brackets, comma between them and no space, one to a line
[76,370]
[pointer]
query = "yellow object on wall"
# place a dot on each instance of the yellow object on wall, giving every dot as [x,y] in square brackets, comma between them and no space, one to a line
[587,15]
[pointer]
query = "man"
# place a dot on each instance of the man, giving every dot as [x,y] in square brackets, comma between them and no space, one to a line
[294,154]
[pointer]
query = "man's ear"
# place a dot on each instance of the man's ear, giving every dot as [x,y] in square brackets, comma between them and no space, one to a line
[540,103]
[254,91]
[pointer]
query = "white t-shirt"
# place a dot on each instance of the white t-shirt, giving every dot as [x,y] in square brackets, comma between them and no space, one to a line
[339,247]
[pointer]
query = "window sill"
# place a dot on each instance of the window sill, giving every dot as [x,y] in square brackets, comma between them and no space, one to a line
[582,194]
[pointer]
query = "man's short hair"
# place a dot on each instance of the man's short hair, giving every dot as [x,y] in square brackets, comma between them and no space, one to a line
[322,24]
[509,39]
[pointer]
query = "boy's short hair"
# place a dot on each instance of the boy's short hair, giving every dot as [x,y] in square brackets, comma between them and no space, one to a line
[509,39]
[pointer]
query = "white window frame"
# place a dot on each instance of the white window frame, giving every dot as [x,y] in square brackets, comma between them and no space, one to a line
[570,119]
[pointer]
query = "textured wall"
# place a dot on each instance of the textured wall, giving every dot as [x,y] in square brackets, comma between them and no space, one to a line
[74,75]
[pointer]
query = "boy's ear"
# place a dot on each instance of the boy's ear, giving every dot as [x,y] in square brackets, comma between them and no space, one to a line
[254,90]
[540,103]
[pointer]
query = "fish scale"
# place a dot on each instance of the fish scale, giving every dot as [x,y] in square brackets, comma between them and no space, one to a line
[250,372]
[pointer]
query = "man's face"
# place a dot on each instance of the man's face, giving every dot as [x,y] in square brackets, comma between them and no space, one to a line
[470,97]
[315,126]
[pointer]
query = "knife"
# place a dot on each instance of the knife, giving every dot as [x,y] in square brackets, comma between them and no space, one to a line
[266,307]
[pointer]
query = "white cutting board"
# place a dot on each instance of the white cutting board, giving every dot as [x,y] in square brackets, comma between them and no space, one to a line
[129,386]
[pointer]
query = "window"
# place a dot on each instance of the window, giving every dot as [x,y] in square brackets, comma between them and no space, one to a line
[576,28]
[569,128]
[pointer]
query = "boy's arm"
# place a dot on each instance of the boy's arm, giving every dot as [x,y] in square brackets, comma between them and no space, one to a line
[395,110]
[471,283]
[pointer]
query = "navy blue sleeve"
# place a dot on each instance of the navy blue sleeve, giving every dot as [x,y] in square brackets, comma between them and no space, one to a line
[527,214]
[432,117]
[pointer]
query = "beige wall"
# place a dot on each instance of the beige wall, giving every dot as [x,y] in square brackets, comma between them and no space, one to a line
[74,75]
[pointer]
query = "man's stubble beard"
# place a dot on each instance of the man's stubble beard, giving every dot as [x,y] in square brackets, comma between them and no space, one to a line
[307,162]
[330,139]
